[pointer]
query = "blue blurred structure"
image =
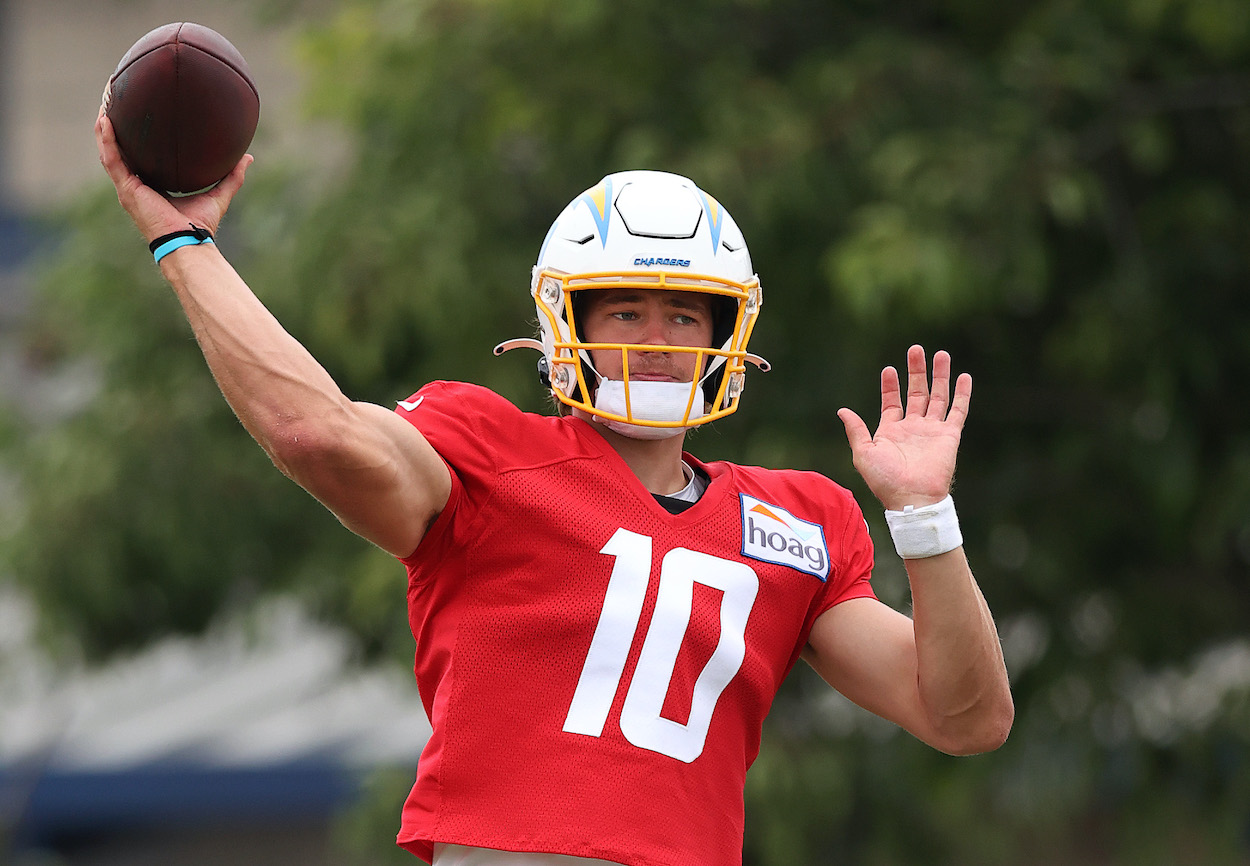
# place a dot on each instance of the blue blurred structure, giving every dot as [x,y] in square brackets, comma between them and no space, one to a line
[250,740]
[17,239]
[71,812]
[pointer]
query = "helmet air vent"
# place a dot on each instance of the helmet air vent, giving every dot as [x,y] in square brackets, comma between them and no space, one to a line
[671,216]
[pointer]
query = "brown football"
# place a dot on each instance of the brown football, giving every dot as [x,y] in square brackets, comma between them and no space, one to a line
[184,107]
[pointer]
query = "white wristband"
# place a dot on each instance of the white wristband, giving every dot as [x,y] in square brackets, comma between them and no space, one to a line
[925,530]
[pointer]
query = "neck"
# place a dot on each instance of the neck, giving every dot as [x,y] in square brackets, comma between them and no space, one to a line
[656,462]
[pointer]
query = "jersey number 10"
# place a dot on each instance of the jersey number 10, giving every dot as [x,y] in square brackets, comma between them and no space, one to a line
[680,570]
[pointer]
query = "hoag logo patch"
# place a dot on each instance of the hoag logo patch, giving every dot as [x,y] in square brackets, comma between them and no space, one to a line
[772,534]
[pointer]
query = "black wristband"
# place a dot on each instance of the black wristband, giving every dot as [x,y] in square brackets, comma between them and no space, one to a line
[200,235]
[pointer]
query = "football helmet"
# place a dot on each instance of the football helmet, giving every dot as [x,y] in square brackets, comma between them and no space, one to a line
[644,230]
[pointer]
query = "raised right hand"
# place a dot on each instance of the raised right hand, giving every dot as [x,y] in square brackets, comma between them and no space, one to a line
[154,213]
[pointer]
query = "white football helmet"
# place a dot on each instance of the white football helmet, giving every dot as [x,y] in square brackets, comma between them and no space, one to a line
[645,230]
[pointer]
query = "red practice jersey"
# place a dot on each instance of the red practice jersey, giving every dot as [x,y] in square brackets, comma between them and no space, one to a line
[597,670]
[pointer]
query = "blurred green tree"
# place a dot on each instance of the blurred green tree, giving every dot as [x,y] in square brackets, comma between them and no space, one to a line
[1058,192]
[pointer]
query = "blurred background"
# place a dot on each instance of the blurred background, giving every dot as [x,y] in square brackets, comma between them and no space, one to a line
[198,664]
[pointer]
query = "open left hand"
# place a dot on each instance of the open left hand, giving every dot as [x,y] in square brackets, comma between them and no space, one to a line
[910,460]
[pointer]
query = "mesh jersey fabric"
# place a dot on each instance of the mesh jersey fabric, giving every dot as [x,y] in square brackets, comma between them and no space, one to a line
[573,639]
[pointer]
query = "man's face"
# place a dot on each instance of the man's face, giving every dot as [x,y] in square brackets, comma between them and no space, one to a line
[651,318]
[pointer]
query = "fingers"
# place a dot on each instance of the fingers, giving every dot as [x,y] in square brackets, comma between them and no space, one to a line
[110,154]
[125,180]
[963,397]
[151,213]
[891,398]
[917,382]
[931,401]
[939,393]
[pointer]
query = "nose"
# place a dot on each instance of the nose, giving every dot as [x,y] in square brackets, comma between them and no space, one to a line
[651,360]
[652,334]
[654,330]
[655,335]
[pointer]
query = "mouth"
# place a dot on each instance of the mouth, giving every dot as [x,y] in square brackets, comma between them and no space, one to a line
[655,377]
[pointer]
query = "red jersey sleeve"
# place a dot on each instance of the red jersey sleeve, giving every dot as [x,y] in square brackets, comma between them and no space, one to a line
[853,572]
[460,421]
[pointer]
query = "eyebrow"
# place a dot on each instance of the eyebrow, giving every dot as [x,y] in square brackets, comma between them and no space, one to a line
[672,299]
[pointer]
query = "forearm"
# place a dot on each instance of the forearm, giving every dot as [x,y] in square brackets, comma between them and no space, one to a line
[270,380]
[370,467]
[961,677]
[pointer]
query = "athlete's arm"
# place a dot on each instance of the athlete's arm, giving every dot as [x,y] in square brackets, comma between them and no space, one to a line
[939,674]
[370,467]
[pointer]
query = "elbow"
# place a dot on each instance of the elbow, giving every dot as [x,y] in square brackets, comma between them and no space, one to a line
[991,738]
[985,730]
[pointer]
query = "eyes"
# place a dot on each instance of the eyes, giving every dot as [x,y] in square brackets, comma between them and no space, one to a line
[686,320]
[641,317]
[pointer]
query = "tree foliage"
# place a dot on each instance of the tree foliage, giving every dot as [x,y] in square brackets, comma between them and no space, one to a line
[1058,192]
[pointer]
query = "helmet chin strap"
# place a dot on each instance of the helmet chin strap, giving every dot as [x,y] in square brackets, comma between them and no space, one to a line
[647,401]
[650,401]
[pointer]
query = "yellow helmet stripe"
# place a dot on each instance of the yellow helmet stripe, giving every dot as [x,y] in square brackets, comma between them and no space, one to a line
[711,207]
[598,198]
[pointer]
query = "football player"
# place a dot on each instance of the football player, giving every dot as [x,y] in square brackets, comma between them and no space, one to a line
[601,619]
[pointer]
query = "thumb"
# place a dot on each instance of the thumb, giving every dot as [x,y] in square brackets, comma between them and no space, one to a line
[209,208]
[223,193]
[234,180]
[856,430]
